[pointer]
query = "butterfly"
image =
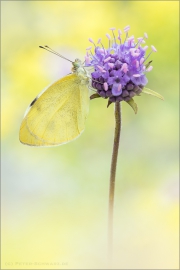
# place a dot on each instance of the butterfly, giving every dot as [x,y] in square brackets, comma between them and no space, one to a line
[58,114]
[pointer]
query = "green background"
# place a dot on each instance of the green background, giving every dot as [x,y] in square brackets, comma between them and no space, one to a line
[55,200]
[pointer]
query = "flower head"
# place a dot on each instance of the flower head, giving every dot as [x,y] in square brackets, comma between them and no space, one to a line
[120,70]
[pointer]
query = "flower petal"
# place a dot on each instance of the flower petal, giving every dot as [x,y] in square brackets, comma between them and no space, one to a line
[136,80]
[105,75]
[95,74]
[144,80]
[116,89]
[110,80]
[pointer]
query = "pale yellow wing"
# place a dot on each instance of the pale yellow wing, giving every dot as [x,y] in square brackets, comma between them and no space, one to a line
[58,115]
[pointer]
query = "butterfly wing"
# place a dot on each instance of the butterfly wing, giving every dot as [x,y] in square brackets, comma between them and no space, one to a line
[58,115]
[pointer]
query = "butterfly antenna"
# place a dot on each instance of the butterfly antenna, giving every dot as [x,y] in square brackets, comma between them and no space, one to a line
[47,48]
[58,53]
[94,80]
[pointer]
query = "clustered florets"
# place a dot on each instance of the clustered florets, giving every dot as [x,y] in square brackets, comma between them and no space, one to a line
[119,71]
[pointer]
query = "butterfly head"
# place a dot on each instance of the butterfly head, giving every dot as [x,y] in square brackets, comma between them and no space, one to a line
[76,65]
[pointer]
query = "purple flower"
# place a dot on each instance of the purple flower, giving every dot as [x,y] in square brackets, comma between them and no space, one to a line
[120,70]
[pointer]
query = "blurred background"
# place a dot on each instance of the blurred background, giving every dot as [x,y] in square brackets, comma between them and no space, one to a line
[55,200]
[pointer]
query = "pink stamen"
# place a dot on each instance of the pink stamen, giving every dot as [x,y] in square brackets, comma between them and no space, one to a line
[89,48]
[99,40]
[141,60]
[90,40]
[87,59]
[107,59]
[136,75]
[100,68]
[111,65]
[119,87]
[145,48]
[126,29]
[145,35]
[140,40]
[124,68]
[134,53]
[153,48]
[149,68]
[119,32]
[137,64]
[108,36]
[112,28]
[134,50]
[131,38]
[101,50]
[105,86]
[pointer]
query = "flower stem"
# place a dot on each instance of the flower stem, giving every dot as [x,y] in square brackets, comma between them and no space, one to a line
[112,179]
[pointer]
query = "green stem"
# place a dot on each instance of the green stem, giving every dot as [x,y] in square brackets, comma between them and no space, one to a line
[112,179]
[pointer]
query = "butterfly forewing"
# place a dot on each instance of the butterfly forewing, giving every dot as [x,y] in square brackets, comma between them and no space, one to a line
[58,115]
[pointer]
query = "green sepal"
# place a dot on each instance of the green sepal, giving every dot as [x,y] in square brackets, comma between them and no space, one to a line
[109,103]
[151,92]
[96,95]
[133,105]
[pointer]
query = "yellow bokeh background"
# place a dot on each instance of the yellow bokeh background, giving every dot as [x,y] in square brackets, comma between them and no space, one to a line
[55,200]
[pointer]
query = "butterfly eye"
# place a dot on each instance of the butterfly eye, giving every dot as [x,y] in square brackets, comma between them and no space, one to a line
[77,63]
